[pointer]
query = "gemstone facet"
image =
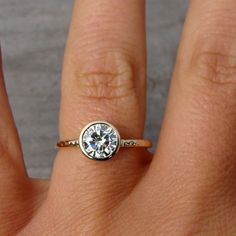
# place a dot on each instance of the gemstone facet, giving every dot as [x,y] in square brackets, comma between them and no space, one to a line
[99,141]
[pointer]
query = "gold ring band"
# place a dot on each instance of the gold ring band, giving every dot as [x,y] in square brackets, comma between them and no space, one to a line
[100,140]
[129,143]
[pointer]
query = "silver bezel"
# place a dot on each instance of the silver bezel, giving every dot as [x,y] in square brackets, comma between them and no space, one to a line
[81,140]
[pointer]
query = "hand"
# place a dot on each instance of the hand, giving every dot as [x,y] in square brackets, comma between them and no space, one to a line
[188,188]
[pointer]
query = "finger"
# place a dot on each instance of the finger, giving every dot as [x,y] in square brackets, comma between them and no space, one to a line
[103,79]
[14,184]
[10,148]
[200,119]
[104,73]
[197,148]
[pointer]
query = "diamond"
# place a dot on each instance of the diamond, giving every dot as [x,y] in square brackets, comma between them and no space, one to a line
[99,141]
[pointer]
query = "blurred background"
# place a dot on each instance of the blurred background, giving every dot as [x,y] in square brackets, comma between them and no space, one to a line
[33,35]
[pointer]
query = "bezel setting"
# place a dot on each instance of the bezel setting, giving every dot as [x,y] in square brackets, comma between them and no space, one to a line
[107,143]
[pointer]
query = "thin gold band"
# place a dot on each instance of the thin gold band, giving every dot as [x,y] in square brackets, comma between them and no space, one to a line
[144,143]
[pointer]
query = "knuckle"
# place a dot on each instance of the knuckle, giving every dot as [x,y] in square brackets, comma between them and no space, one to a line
[214,55]
[212,69]
[108,77]
[215,62]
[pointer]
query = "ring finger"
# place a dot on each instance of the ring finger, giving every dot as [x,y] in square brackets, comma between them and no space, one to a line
[103,79]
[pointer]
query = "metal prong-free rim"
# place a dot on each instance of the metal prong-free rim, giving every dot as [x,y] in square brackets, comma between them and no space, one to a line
[81,140]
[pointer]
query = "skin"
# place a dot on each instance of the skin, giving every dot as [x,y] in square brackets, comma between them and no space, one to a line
[188,186]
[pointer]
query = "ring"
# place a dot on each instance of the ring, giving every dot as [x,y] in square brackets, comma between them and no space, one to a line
[100,140]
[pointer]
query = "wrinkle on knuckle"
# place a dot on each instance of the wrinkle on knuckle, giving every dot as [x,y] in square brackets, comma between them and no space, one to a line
[108,77]
[214,61]
[211,77]
[214,56]
[103,85]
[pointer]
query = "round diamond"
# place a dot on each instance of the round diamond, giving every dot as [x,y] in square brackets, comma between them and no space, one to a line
[100,141]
